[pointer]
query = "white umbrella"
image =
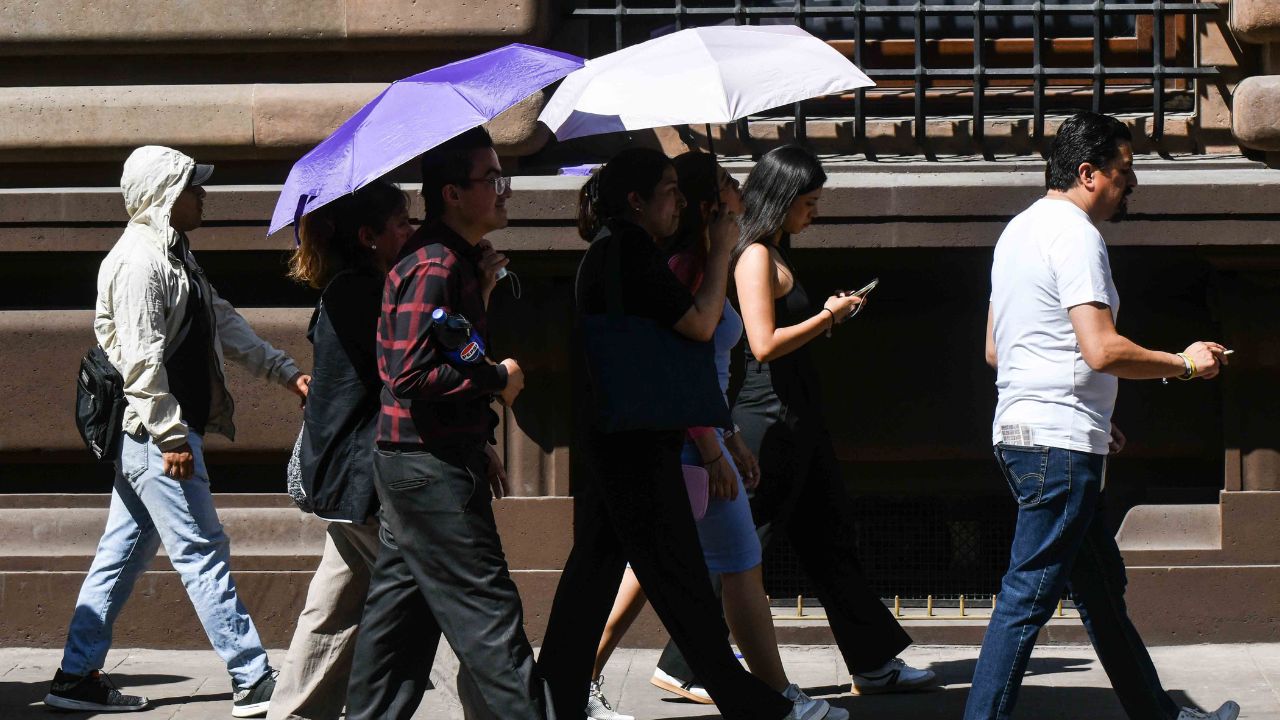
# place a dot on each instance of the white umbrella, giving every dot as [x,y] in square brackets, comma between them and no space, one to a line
[702,75]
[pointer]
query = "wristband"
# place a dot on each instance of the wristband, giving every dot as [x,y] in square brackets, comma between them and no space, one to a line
[1190,366]
[713,460]
[832,326]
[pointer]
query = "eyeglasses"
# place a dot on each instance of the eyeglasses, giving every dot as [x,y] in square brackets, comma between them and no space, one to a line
[500,184]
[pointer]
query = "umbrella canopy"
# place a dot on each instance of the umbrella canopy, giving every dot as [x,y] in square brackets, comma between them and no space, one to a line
[412,116]
[702,75]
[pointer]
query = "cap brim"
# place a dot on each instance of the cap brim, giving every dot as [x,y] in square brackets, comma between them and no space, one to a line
[200,175]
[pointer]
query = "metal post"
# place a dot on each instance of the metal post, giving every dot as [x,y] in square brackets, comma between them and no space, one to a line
[922,134]
[979,72]
[1157,70]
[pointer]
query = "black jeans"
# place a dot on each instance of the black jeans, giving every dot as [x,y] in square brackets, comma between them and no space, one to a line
[440,570]
[634,507]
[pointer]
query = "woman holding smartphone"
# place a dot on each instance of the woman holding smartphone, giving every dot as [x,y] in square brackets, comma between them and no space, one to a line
[779,412]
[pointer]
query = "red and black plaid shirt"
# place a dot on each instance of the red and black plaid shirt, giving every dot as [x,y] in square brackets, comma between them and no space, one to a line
[426,401]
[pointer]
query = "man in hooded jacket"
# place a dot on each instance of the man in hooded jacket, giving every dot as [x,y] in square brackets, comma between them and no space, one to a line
[167,332]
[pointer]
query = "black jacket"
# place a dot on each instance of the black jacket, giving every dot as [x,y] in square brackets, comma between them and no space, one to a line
[342,406]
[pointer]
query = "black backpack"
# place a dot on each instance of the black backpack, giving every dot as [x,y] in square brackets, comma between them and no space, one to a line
[100,404]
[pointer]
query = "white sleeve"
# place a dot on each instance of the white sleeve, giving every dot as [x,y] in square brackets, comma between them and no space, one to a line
[1078,260]
[243,346]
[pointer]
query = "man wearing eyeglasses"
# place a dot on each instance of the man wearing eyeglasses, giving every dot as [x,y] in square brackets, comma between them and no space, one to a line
[440,568]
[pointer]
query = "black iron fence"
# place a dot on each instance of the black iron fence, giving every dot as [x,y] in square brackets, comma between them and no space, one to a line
[960,58]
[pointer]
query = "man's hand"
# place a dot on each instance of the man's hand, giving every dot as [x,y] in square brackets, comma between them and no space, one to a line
[179,463]
[491,261]
[721,482]
[515,382]
[1208,357]
[300,385]
[497,472]
[748,466]
[1116,444]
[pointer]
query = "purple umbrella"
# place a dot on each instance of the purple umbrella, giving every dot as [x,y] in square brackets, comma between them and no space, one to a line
[412,116]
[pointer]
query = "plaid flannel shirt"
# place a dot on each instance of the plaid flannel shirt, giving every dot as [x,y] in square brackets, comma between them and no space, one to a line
[428,402]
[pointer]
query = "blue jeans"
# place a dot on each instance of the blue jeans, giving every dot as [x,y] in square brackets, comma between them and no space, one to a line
[149,508]
[1061,542]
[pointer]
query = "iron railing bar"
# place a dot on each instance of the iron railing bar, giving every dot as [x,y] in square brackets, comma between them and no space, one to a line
[859,109]
[1099,82]
[979,69]
[801,127]
[891,10]
[1157,79]
[1037,101]
[921,133]
[617,25]
[1017,73]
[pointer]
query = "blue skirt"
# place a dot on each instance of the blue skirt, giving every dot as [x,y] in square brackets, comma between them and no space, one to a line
[727,532]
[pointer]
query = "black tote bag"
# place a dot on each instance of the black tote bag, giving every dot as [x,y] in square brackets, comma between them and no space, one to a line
[643,375]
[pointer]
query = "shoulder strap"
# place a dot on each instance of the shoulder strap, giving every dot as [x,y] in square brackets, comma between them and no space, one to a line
[612,277]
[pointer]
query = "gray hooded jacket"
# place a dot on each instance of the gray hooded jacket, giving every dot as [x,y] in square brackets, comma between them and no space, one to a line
[142,293]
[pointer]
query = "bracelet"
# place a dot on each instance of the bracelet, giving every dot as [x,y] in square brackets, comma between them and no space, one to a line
[1190,366]
[713,460]
[731,431]
[832,326]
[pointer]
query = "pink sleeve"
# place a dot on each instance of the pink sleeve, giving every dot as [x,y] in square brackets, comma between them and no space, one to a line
[697,432]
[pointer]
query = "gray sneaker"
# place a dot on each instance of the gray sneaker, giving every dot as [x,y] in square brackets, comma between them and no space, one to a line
[598,707]
[806,708]
[253,701]
[1229,711]
[93,692]
[894,676]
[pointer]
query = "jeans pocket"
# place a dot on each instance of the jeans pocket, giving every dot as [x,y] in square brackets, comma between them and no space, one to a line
[409,482]
[1024,469]
[134,456]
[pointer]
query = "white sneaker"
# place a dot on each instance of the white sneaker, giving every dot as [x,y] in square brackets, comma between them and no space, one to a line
[686,690]
[806,708]
[893,676]
[1229,711]
[598,707]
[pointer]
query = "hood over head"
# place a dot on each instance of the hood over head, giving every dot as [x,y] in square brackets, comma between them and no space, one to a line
[152,180]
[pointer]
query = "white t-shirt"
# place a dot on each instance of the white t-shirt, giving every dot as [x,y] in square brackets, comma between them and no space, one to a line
[1050,258]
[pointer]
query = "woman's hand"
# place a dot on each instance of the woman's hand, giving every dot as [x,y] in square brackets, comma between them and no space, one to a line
[722,483]
[842,307]
[742,456]
[723,230]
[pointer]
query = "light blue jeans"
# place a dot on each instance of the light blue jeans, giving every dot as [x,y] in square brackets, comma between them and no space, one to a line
[149,508]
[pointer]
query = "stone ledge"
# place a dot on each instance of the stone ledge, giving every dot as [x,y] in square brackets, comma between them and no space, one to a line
[156,26]
[61,123]
[49,535]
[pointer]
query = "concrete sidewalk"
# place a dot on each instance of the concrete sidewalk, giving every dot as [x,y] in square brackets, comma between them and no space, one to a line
[1064,683]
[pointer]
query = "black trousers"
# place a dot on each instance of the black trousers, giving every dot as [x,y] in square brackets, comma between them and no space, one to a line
[440,570]
[801,496]
[634,507]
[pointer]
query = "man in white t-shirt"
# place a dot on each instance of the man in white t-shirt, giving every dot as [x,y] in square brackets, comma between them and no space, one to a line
[1052,338]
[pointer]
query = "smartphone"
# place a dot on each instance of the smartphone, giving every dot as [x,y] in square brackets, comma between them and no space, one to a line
[867,288]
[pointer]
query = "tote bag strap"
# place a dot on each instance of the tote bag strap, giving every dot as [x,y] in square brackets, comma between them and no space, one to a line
[612,272]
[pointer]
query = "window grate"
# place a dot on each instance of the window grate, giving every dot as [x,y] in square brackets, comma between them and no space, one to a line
[1153,60]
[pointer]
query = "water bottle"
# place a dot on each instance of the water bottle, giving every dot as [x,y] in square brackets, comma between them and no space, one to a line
[462,344]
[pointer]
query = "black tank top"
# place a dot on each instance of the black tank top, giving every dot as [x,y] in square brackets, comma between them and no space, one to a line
[792,377]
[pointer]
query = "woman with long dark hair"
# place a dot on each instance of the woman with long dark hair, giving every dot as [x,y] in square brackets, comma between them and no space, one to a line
[345,249]
[633,505]
[779,411]
[726,532]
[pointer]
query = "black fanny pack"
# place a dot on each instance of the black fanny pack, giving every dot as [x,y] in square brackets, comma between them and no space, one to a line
[99,404]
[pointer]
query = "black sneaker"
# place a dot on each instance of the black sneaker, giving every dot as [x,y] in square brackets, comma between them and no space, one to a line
[253,701]
[94,691]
